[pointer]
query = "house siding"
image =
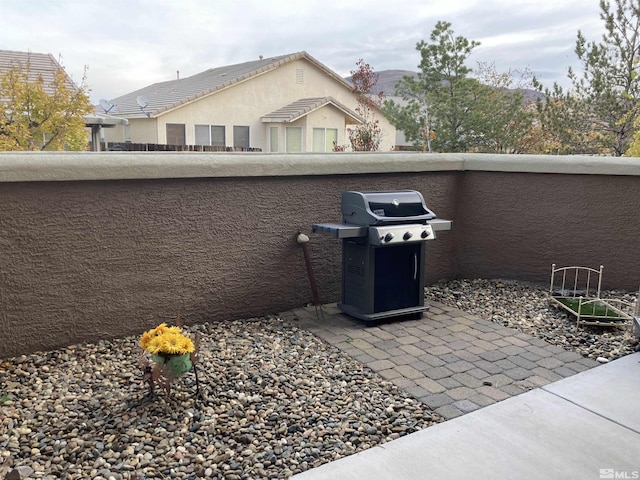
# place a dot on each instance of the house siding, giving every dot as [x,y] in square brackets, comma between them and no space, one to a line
[246,102]
[329,117]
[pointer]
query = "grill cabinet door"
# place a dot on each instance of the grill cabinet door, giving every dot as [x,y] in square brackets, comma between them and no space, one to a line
[397,277]
[380,279]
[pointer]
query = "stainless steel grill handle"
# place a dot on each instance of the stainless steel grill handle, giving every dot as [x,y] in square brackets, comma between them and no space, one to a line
[415,266]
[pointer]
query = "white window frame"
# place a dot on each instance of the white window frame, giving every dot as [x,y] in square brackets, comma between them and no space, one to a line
[176,125]
[274,148]
[224,135]
[210,134]
[325,145]
[286,142]
[206,142]
[248,130]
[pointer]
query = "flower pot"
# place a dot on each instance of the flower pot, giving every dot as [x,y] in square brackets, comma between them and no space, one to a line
[176,365]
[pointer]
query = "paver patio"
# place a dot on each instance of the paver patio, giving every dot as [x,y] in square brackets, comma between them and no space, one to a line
[453,361]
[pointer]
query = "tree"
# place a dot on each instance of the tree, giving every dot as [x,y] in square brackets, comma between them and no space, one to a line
[437,101]
[36,116]
[597,115]
[504,119]
[451,108]
[365,137]
[634,146]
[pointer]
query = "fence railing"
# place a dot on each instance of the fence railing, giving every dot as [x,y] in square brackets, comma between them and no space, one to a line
[156,147]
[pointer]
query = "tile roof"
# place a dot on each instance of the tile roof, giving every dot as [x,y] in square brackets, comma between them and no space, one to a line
[164,96]
[40,64]
[304,106]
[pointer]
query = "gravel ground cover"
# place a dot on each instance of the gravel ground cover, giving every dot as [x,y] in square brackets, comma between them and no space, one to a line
[276,401]
[525,306]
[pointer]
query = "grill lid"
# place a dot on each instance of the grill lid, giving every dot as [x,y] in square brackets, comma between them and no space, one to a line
[385,208]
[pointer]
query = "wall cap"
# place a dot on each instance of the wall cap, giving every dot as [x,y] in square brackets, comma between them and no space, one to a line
[77,166]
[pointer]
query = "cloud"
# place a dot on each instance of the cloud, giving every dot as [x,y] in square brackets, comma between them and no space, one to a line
[128,45]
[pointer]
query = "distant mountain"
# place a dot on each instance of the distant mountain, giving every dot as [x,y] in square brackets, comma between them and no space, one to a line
[387,80]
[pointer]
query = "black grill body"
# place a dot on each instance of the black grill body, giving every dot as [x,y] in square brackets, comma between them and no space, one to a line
[384,208]
[384,235]
[381,282]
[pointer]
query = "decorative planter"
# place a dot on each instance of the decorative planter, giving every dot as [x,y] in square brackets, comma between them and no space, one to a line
[176,365]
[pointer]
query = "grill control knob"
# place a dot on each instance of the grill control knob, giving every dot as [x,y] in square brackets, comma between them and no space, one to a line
[424,234]
[389,236]
[407,235]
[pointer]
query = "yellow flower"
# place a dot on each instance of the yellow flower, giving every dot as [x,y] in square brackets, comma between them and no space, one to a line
[166,340]
[155,345]
[171,343]
[145,339]
[160,329]
[187,345]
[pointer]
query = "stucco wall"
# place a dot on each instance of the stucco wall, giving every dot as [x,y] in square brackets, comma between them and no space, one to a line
[515,225]
[103,245]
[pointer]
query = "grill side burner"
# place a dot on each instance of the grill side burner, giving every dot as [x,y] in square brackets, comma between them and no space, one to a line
[383,250]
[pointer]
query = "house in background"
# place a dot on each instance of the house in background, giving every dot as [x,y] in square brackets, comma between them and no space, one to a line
[43,65]
[290,103]
[35,65]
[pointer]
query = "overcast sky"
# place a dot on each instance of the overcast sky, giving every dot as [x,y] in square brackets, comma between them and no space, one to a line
[128,44]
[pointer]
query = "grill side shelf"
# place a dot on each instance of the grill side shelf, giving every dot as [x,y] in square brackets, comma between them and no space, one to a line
[340,230]
[440,224]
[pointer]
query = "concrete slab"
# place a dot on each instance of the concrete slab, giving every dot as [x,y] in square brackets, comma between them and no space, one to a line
[611,390]
[536,435]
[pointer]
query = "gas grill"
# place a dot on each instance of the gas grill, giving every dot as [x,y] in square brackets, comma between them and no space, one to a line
[383,249]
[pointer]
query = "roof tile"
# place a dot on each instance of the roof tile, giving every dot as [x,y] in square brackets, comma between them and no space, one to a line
[40,64]
[164,96]
[300,108]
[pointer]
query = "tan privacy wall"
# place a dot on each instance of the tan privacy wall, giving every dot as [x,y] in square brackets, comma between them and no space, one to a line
[103,245]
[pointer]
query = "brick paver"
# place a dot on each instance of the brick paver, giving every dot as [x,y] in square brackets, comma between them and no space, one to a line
[452,361]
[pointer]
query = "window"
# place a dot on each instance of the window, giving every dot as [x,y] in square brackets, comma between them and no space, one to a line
[202,135]
[273,139]
[210,135]
[240,136]
[294,139]
[218,136]
[175,134]
[324,138]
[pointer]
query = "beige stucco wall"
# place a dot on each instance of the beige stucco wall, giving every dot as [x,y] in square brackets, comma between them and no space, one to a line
[103,245]
[246,102]
[328,117]
[145,131]
[115,134]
